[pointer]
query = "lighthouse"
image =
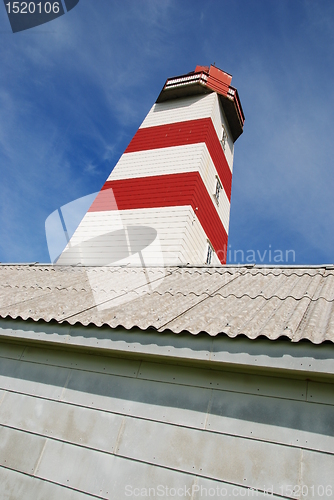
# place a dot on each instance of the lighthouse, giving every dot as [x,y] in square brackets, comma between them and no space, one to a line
[167,200]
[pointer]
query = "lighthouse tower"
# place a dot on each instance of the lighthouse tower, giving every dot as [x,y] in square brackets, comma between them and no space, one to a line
[167,200]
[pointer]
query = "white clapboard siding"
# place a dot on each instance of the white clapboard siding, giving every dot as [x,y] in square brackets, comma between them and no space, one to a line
[173,160]
[180,110]
[93,425]
[180,237]
[192,108]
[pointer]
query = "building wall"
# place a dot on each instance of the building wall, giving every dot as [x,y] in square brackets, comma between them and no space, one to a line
[104,239]
[76,425]
[170,171]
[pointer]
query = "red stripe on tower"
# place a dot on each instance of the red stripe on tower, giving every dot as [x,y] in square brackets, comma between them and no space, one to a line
[175,177]
[166,191]
[182,134]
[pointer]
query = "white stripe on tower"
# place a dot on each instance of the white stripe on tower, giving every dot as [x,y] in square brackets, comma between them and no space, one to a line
[192,108]
[172,184]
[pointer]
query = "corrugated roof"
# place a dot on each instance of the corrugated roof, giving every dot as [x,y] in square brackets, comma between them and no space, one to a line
[293,302]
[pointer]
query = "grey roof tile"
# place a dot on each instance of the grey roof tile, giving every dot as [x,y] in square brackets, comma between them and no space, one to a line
[293,302]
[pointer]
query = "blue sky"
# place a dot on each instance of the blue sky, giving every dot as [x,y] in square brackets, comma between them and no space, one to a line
[74,91]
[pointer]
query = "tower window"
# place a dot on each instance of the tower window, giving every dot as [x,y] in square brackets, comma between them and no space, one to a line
[218,189]
[224,139]
[209,255]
